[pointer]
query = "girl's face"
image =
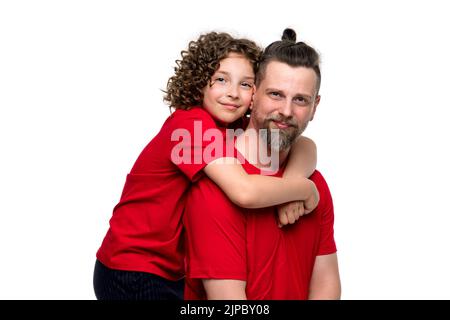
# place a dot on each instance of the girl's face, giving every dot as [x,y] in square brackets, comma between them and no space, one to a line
[230,92]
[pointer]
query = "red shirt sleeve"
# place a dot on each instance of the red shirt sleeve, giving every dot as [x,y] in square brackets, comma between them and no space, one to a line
[327,244]
[195,141]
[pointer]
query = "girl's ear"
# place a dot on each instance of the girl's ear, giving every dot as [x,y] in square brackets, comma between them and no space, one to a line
[251,101]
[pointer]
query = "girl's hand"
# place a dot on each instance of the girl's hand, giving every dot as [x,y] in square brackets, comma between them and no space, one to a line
[289,213]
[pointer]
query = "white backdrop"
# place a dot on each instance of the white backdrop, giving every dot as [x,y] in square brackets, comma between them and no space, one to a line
[80,96]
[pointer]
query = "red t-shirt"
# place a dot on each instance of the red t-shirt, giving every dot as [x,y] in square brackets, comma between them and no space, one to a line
[145,231]
[228,242]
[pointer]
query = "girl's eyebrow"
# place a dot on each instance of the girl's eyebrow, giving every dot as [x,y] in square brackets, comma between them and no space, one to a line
[224,72]
[228,74]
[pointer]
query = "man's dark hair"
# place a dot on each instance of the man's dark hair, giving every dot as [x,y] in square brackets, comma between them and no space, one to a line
[295,54]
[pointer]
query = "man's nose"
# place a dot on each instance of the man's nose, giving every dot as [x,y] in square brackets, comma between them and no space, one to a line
[286,109]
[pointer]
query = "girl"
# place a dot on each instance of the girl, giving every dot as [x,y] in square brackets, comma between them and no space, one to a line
[142,254]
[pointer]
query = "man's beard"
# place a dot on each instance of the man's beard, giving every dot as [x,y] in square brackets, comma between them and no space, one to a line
[279,140]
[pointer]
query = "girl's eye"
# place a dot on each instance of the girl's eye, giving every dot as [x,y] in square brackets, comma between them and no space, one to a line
[218,80]
[246,84]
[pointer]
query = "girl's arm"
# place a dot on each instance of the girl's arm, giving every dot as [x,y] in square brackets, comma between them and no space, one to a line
[302,158]
[258,191]
[302,163]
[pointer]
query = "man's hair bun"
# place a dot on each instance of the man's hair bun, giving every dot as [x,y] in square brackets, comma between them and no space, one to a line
[289,35]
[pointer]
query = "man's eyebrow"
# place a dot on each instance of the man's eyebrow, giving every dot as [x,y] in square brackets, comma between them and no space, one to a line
[303,96]
[273,89]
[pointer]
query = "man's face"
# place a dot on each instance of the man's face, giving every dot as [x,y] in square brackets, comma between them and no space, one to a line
[285,99]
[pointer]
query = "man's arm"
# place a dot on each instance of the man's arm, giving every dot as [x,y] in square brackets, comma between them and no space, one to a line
[224,289]
[325,281]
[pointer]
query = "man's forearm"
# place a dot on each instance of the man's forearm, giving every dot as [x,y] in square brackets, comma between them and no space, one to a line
[325,280]
[224,289]
[326,291]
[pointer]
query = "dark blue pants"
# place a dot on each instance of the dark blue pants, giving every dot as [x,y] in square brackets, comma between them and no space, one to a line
[112,284]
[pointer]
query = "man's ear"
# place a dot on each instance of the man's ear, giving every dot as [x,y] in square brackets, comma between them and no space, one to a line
[316,103]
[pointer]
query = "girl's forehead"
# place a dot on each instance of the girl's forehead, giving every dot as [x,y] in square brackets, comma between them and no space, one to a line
[235,58]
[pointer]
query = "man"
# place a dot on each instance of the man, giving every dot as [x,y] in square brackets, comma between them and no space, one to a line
[235,253]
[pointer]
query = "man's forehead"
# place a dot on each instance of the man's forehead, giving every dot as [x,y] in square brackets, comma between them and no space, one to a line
[285,77]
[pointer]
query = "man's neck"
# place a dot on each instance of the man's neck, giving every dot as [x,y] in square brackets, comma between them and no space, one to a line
[256,151]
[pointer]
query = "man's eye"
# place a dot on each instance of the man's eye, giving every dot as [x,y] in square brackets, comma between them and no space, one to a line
[274,94]
[301,101]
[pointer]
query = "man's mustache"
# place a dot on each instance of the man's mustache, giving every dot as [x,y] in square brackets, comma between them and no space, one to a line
[280,118]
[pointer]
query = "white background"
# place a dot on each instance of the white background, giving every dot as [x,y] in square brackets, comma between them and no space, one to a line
[80,96]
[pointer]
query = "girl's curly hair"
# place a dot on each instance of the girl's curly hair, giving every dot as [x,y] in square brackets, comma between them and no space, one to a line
[198,64]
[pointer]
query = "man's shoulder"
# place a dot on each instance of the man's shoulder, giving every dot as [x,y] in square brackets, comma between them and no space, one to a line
[318,178]
[316,175]
[322,187]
